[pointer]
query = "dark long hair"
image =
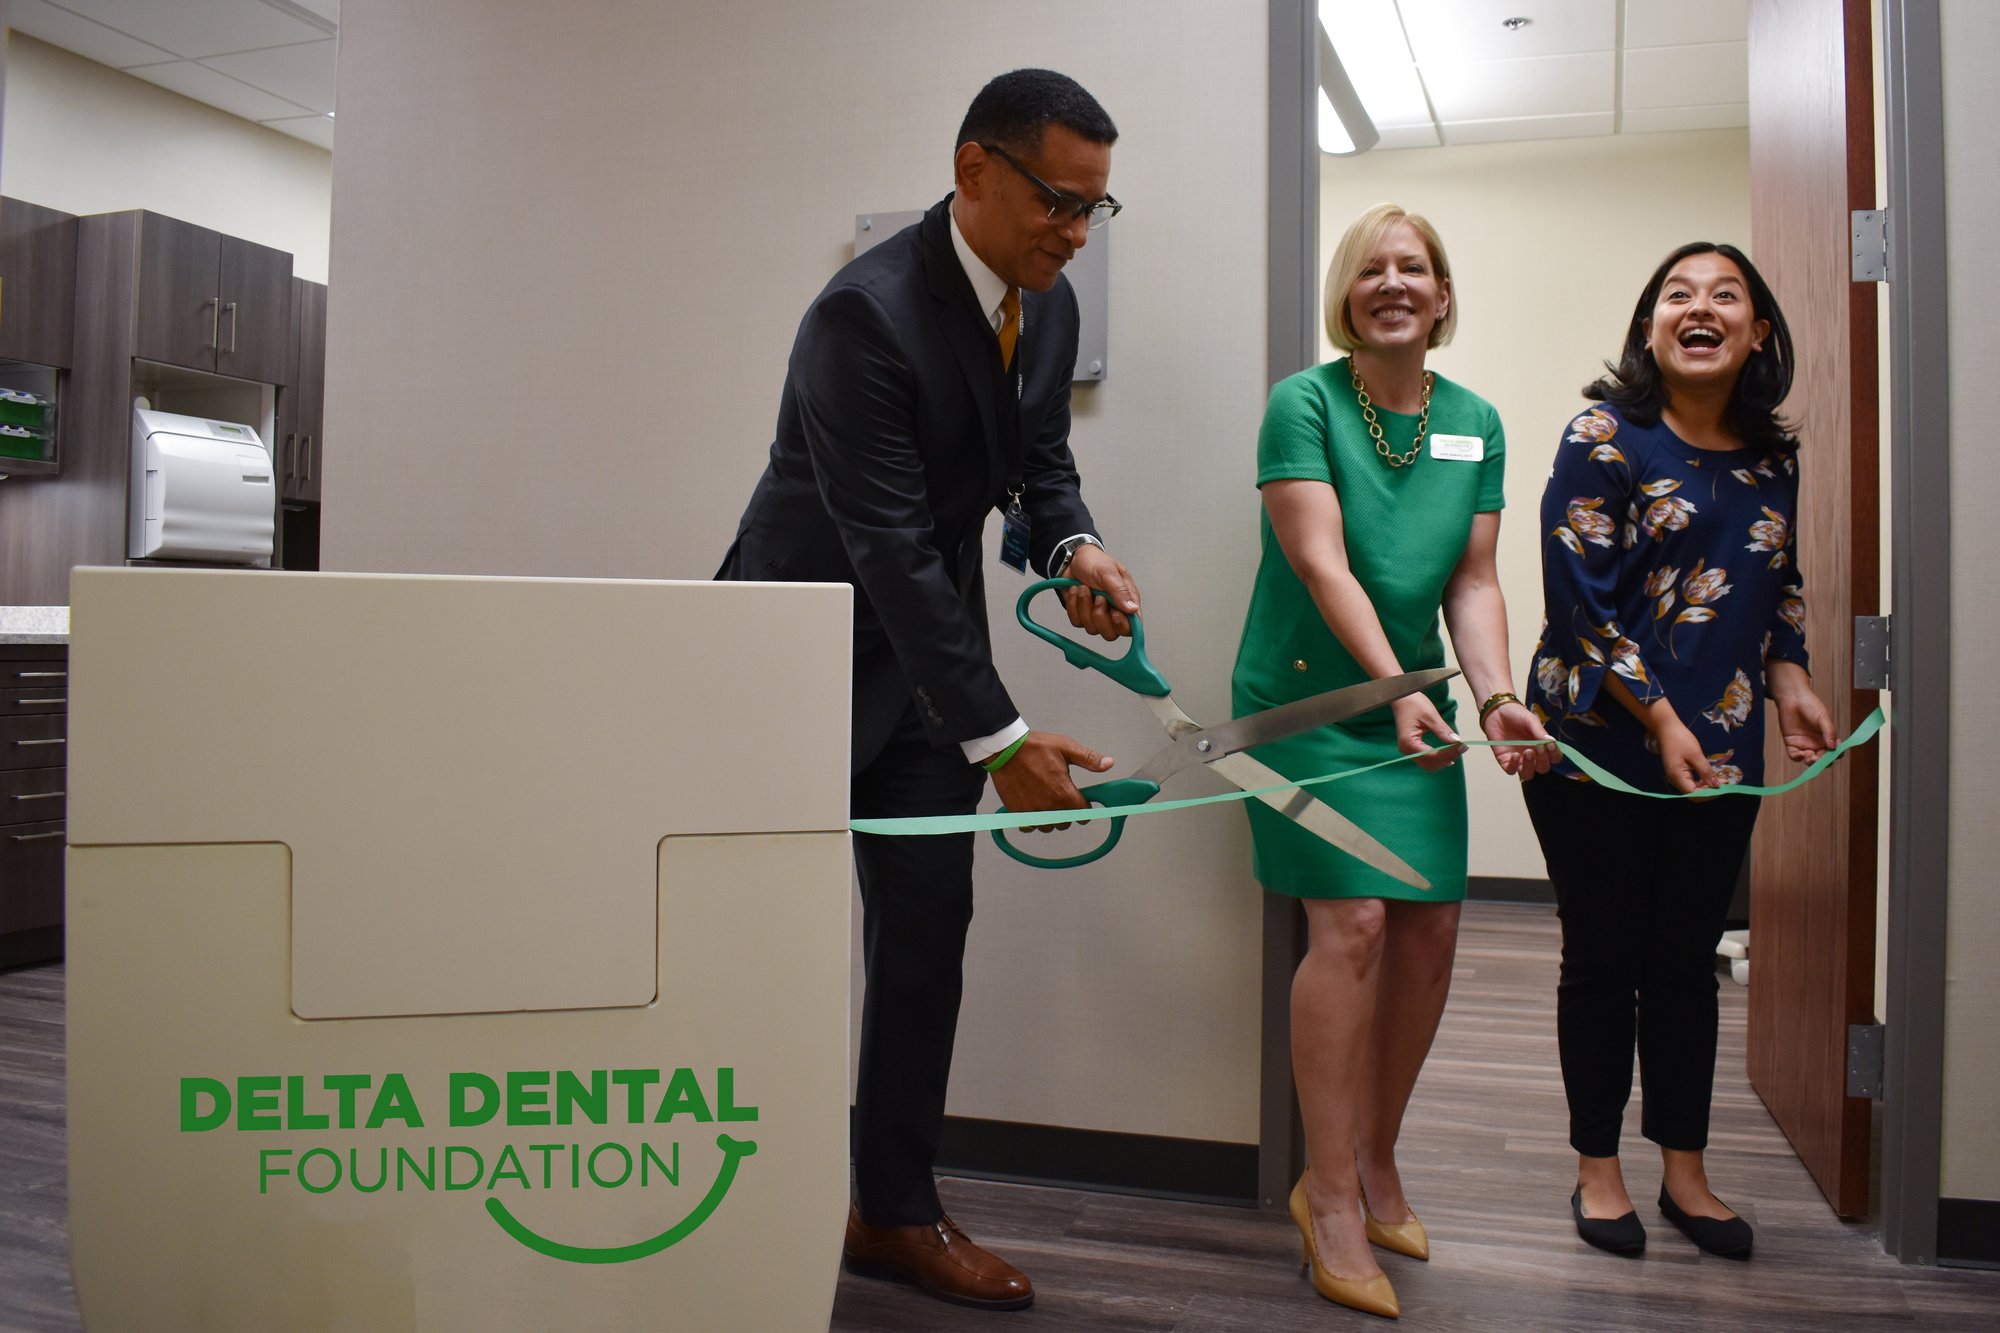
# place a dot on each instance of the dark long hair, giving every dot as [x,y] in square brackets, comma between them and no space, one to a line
[1634,385]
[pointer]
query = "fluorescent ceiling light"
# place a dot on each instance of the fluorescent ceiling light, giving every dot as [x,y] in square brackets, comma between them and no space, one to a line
[1333,136]
[1344,126]
[1367,36]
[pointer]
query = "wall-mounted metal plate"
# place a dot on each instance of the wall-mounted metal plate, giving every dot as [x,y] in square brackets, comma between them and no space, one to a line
[1870,231]
[1871,652]
[1089,273]
[1864,1059]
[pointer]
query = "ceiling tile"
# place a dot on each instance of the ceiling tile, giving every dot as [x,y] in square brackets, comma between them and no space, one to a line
[218,90]
[1650,120]
[1683,22]
[1542,86]
[1657,76]
[313,129]
[1528,127]
[195,28]
[302,73]
[1459,30]
[86,37]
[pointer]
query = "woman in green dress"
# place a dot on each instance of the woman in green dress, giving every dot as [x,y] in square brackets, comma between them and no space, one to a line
[1382,494]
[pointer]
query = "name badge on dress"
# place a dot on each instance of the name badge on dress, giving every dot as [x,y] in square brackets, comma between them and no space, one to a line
[1458,448]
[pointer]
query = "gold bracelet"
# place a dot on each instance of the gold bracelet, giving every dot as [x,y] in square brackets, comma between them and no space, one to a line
[1504,697]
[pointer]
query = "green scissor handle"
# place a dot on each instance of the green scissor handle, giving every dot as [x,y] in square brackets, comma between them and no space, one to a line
[1119,791]
[1135,671]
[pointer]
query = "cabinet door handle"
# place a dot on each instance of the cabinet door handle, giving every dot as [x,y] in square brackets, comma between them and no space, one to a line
[232,326]
[43,675]
[291,454]
[214,323]
[309,457]
[35,837]
[53,740]
[43,796]
[58,699]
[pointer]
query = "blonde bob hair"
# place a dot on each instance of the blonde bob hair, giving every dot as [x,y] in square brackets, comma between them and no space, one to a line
[1362,239]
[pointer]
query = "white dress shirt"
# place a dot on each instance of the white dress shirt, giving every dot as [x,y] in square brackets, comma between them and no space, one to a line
[991,290]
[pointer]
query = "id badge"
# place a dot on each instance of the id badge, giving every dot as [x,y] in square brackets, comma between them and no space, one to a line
[1014,537]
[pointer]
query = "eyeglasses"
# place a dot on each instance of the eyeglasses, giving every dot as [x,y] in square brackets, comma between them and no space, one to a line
[1064,207]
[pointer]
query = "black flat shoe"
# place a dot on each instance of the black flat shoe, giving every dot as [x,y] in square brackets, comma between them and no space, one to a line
[1619,1235]
[1724,1237]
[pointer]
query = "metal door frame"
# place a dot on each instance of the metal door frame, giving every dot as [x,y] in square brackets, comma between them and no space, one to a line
[1920,636]
[1292,333]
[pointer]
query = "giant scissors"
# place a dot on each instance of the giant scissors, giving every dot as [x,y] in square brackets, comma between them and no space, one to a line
[1221,749]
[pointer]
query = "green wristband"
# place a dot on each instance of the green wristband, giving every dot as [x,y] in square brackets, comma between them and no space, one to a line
[999,761]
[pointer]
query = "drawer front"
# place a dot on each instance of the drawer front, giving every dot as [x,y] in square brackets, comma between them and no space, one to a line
[49,676]
[32,795]
[33,742]
[31,875]
[34,699]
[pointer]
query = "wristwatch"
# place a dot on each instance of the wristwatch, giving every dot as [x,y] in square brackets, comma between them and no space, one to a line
[1066,551]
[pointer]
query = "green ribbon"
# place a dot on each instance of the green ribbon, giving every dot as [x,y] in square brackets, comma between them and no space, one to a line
[923,825]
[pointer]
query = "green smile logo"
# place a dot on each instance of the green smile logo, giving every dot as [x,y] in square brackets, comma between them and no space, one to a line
[521,1099]
[733,1152]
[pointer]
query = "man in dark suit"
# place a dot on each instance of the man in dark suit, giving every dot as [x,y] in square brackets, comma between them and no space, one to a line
[929,386]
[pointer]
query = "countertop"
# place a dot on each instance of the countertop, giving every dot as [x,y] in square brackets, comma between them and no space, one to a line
[34,624]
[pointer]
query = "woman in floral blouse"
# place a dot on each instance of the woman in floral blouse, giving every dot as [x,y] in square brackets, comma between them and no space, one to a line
[1673,608]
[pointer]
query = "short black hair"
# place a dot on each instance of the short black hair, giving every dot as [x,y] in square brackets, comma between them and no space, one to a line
[1014,109]
[1634,385]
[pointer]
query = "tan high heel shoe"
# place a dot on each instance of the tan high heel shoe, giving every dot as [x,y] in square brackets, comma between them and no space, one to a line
[1371,1295]
[1398,1237]
[1406,1238]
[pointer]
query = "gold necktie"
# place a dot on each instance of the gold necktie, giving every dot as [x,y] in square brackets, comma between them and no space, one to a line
[1010,325]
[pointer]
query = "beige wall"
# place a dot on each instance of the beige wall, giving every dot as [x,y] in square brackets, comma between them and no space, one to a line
[1550,244]
[87,139]
[1971,1147]
[572,259]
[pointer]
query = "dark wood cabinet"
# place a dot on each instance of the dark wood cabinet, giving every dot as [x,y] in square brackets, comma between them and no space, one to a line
[34,711]
[257,323]
[212,302]
[299,448]
[37,284]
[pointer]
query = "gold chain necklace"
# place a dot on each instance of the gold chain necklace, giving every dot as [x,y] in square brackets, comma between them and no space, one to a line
[1375,426]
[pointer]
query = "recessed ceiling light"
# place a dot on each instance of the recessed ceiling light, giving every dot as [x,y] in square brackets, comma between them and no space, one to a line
[1516,23]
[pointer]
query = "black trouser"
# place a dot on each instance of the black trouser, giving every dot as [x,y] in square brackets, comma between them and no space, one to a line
[916,904]
[1643,890]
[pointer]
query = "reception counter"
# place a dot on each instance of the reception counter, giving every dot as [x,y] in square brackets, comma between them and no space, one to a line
[456,953]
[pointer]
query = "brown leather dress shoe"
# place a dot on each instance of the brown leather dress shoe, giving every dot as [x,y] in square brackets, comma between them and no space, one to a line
[938,1258]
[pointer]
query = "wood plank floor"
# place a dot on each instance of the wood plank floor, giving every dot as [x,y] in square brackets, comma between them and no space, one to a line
[1485,1159]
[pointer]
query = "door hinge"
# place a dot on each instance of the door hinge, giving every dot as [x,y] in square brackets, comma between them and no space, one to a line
[1870,230]
[1864,1060]
[1871,652]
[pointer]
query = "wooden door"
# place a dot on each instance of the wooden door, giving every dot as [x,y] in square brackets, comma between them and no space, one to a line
[1812,905]
[255,334]
[179,313]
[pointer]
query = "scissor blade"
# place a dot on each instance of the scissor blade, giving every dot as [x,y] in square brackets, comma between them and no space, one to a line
[1310,714]
[1316,816]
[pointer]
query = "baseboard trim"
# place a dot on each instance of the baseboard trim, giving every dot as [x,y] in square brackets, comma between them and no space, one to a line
[1509,889]
[23,948]
[1150,1165]
[1968,1233]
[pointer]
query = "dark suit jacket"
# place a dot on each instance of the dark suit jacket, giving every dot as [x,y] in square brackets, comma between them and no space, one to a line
[890,452]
